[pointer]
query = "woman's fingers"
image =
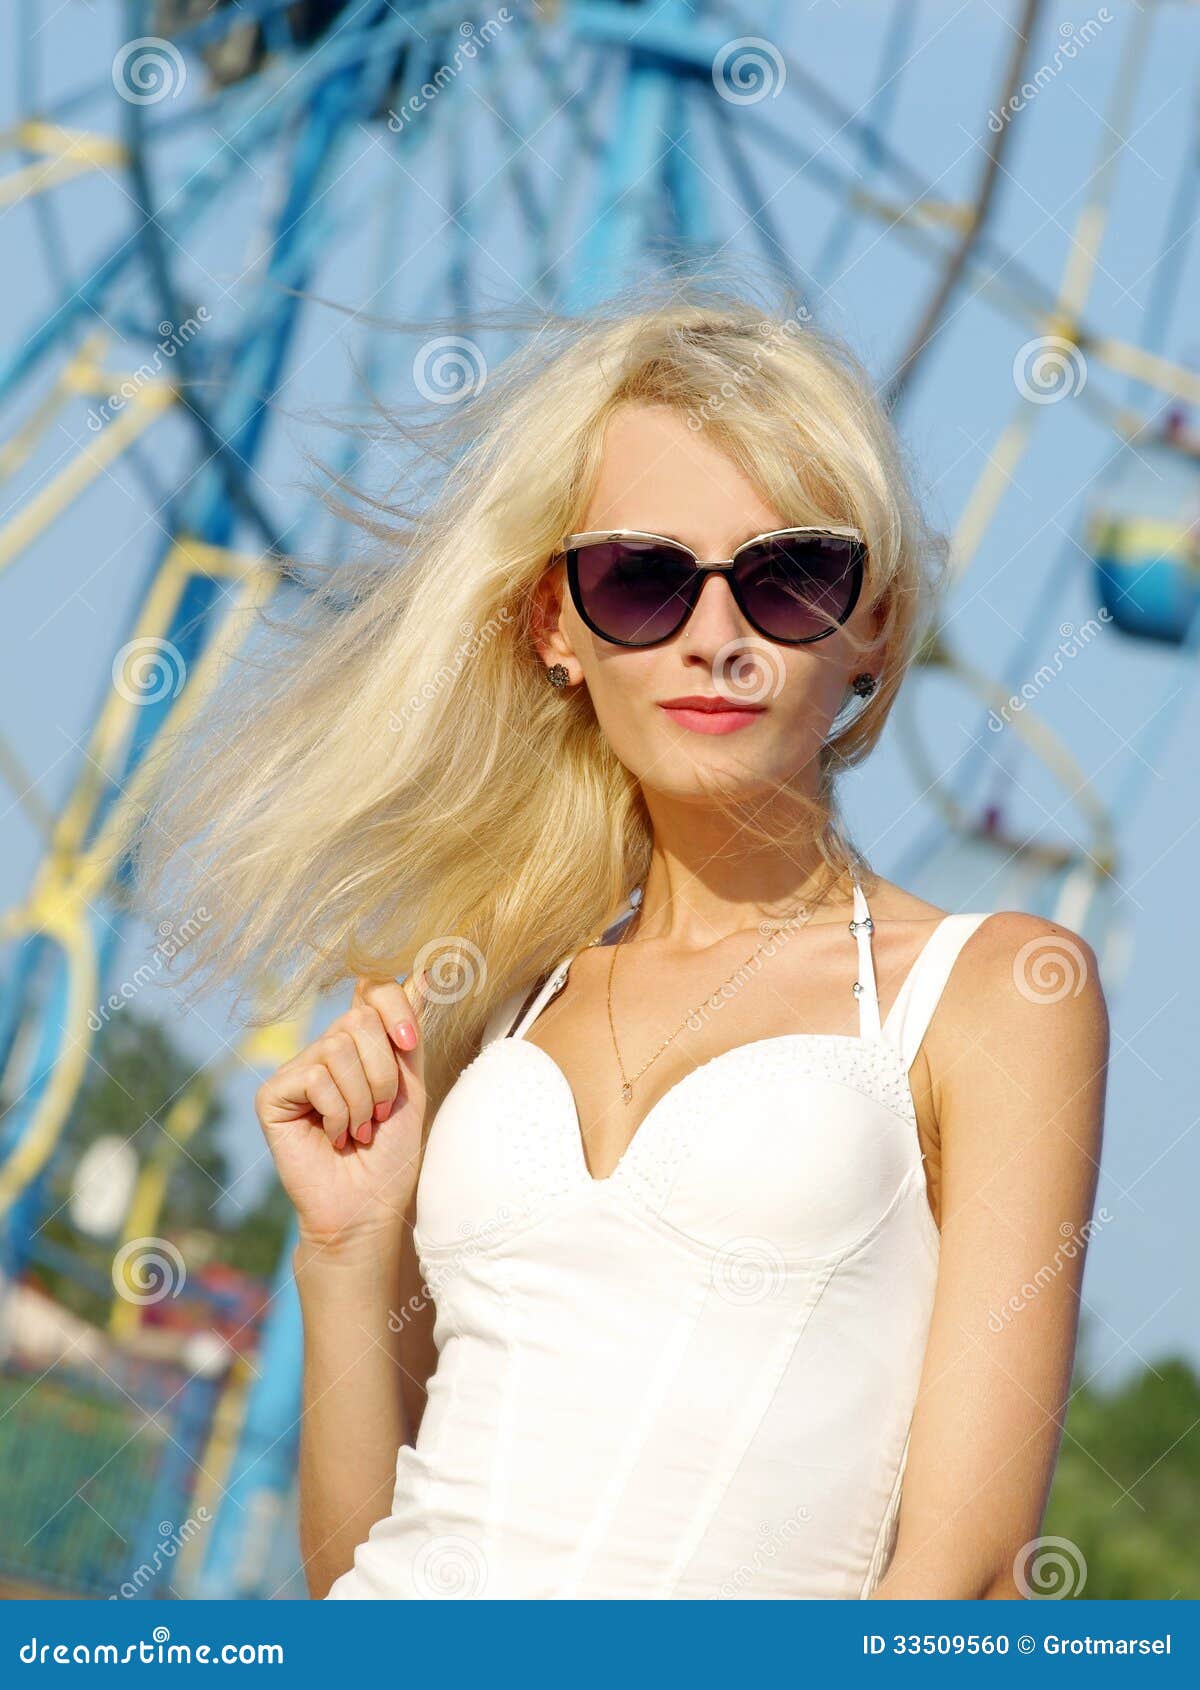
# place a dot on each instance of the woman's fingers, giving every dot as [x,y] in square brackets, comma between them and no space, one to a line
[322,1093]
[338,1051]
[353,1075]
[399,1013]
[378,1055]
[374,1036]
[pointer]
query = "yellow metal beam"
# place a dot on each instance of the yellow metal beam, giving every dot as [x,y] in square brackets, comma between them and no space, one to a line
[135,417]
[66,153]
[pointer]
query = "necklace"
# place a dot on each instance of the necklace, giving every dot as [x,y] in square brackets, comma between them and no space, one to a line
[628,1083]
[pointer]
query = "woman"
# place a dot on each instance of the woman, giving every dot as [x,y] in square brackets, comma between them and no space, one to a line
[653,1249]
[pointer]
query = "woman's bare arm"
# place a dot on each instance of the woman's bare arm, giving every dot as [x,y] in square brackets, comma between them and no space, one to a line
[344,1121]
[1019,1060]
[368,1353]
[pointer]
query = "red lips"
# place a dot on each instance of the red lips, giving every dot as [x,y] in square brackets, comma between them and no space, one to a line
[706,701]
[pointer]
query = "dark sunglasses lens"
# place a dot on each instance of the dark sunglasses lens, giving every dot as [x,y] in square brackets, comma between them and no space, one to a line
[800,588]
[633,590]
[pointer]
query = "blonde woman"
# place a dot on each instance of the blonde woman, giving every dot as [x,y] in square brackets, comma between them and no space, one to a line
[664,1192]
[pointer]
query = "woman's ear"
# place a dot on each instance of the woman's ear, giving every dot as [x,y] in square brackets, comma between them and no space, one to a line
[871,659]
[546,621]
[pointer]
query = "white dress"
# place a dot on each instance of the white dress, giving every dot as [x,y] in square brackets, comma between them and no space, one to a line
[694,1378]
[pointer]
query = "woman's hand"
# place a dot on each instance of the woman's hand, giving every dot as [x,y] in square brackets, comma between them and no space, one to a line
[343,1119]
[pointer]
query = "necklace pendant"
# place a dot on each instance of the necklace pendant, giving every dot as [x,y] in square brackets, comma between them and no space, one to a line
[626,1092]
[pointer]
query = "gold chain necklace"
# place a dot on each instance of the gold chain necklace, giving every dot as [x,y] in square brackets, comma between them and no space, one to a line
[627,1083]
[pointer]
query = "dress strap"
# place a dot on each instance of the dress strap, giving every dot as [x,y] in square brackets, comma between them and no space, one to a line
[864,987]
[923,985]
[512,1018]
[504,1015]
[553,983]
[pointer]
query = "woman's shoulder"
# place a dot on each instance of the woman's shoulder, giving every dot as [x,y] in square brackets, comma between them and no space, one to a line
[1023,1007]
[998,933]
[1017,1056]
[1007,967]
[1026,966]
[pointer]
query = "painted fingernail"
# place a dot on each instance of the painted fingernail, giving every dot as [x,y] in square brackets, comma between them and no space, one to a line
[406,1034]
[340,1142]
[364,1132]
[382,1111]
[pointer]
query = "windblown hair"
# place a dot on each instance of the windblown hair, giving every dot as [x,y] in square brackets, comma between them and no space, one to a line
[397,787]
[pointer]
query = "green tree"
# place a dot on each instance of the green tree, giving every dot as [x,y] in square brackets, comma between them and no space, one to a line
[1127,1488]
[136,1072]
[256,1243]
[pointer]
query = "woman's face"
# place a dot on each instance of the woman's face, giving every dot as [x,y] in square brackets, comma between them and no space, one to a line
[659,476]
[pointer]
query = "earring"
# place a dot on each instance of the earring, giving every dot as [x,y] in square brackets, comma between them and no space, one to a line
[864,685]
[558,675]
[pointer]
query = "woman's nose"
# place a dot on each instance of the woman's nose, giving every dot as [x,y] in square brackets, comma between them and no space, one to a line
[716,617]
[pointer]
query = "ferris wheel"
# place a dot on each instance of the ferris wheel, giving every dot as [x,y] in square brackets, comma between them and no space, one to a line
[549,152]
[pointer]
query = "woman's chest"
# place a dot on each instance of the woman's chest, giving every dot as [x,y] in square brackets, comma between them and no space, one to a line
[795,1145]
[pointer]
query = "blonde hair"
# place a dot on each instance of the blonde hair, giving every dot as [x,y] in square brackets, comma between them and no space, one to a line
[399,786]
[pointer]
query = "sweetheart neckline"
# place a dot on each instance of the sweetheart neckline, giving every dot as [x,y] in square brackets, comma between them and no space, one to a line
[876,1042]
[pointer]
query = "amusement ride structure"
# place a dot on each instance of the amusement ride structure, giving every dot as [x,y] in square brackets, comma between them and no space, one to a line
[613,139]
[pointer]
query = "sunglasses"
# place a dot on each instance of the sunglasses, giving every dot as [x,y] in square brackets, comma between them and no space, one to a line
[793,585]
